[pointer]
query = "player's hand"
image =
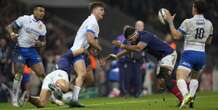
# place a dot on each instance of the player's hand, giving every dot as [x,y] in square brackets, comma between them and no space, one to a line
[39,43]
[116,43]
[99,49]
[13,36]
[111,57]
[168,16]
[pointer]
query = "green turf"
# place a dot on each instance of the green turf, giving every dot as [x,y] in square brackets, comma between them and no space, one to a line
[204,101]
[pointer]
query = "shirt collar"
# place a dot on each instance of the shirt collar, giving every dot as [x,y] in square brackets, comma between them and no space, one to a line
[198,16]
[93,16]
[33,18]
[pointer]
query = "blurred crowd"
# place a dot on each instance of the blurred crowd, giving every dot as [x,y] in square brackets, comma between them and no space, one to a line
[132,75]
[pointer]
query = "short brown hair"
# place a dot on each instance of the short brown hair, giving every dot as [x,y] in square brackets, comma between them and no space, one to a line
[199,5]
[94,5]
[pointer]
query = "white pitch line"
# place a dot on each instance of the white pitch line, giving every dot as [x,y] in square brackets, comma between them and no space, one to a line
[112,103]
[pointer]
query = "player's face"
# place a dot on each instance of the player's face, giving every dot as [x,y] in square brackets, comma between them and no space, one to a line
[193,10]
[133,38]
[99,13]
[39,12]
[139,26]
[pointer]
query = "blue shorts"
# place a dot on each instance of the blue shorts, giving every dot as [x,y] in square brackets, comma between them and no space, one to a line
[28,56]
[192,60]
[67,60]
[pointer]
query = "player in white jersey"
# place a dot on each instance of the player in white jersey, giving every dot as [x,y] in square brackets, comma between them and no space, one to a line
[197,32]
[57,80]
[29,32]
[86,37]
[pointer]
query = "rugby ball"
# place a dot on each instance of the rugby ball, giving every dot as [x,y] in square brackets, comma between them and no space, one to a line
[162,14]
[67,97]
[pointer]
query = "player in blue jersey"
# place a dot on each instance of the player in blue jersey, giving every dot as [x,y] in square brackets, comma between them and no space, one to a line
[149,42]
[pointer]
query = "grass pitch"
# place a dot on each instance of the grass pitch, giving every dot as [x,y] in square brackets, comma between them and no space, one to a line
[204,101]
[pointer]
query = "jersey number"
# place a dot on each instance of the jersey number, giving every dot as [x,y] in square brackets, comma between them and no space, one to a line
[199,33]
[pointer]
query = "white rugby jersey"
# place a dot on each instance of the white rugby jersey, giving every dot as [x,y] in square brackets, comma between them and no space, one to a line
[196,30]
[89,25]
[30,30]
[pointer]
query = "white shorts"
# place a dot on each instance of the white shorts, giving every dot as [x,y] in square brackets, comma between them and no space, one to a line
[52,77]
[169,61]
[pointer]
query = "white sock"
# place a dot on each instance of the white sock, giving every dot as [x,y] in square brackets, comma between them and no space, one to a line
[76,90]
[16,87]
[182,86]
[193,86]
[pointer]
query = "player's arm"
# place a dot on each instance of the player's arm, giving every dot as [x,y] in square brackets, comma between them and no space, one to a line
[117,56]
[92,41]
[175,33]
[41,42]
[12,29]
[209,40]
[139,47]
[79,51]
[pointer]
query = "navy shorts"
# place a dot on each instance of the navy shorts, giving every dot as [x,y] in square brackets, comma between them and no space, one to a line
[67,60]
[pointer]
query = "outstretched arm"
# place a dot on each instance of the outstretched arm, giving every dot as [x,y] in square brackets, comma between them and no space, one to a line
[116,56]
[139,47]
[169,18]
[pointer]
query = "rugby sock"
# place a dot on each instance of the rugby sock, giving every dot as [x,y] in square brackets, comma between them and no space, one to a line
[181,84]
[16,86]
[76,90]
[171,86]
[193,86]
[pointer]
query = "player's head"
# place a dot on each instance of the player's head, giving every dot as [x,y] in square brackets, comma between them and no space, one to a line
[198,7]
[130,33]
[39,11]
[139,25]
[97,9]
[62,84]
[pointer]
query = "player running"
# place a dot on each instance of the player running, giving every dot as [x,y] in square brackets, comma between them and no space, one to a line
[146,41]
[29,32]
[197,32]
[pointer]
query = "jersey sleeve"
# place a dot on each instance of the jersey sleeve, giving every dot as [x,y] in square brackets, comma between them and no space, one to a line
[20,21]
[211,30]
[93,28]
[183,27]
[145,39]
[44,32]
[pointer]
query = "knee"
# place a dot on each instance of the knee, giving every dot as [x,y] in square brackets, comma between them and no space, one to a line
[42,104]
[82,74]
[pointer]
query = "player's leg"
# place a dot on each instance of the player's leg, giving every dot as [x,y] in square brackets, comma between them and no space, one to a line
[182,73]
[42,100]
[38,69]
[35,63]
[193,86]
[17,68]
[166,67]
[89,79]
[25,87]
[80,69]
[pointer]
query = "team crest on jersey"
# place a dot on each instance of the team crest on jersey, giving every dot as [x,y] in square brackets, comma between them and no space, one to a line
[40,26]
